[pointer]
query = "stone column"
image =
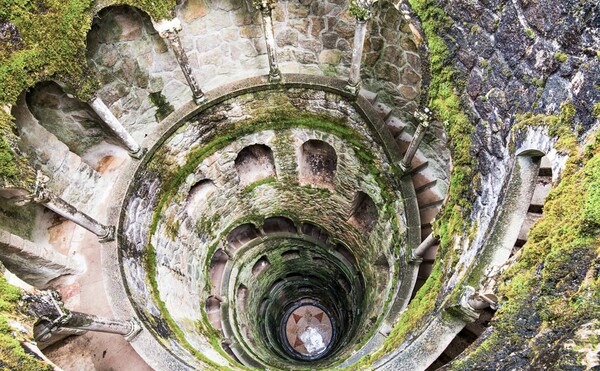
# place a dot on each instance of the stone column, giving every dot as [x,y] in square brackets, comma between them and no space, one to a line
[135,150]
[47,198]
[87,322]
[361,10]
[55,321]
[424,119]
[169,30]
[265,7]
[425,245]
[472,302]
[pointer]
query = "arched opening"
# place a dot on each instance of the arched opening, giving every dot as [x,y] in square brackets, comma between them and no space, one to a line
[217,267]
[255,163]
[260,266]
[213,311]
[241,235]
[314,231]
[318,163]
[364,212]
[278,224]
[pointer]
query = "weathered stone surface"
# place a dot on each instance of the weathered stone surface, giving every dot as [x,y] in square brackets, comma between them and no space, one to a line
[193,9]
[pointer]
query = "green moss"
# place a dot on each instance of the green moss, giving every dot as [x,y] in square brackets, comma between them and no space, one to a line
[163,107]
[17,220]
[358,11]
[596,110]
[561,56]
[556,277]
[258,183]
[12,355]
[530,33]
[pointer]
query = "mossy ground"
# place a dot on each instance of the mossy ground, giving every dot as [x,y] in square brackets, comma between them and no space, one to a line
[12,355]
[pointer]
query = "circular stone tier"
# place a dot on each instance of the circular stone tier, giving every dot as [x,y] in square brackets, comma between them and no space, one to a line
[268,230]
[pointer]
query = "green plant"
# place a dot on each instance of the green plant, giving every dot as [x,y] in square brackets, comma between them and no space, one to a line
[561,56]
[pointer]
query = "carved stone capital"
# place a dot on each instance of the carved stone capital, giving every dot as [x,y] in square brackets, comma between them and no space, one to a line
[424,117]
[361,9]
[264,5]
[168,28]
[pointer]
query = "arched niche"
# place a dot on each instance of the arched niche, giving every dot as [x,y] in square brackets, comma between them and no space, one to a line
[290,254]
[198,194]
[241,235]
[254,163]
[314,231]
[279,224]
[364,212]
[318,163]
[70,120]
[346,253]
[260,266]
[217,267]
[213,311]
[242,297]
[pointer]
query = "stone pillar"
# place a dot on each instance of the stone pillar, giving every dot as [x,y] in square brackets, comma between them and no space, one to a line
[361,10]
[135,150]
[425,245]
[55,321]
[87,322]
[47,198]
[169,30]
[472,302]
[266,7]
[424,119]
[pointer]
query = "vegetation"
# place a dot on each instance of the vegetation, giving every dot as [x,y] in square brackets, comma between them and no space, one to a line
[554,288]
[48,43]
[561,56]
[12,354]
[445,101]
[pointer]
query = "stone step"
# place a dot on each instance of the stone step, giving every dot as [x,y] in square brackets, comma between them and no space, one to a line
[428,197]
[425,187]
[395,126]
[435,204]
[383,110]
[427,214]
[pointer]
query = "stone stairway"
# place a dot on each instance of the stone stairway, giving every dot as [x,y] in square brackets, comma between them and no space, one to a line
[430,190]
[473,330]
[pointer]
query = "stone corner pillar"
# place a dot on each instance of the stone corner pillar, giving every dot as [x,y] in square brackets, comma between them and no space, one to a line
[135,150]
[427,243]
[473,302]
[424,118]
[265,7]
[169,30]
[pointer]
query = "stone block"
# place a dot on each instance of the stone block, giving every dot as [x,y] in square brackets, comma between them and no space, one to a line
[330,56]
[193,9]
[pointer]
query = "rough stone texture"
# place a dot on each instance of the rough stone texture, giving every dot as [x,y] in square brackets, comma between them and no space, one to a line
[131,60]
[73,122]
[392,64]
[35,264]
